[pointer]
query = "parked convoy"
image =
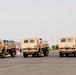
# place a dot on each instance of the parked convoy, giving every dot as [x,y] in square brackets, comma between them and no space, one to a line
[37,47]
[67,45]
[34,47]
[7,47]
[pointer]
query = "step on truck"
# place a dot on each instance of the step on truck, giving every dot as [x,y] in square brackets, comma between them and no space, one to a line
[34,47]
[67,46]
[7,47]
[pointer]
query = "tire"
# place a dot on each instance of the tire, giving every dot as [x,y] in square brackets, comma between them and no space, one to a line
[45,53]
[2,55]
[74,54]
[25,55]
[15,51]
[39,54]
[60,54]
[13,54]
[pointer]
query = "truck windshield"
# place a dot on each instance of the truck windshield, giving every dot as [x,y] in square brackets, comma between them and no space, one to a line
[63,40]
[70,40]
[31,41]
[5,42]
[25,41]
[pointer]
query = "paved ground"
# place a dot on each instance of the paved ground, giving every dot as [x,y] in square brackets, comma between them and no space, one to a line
[51,65]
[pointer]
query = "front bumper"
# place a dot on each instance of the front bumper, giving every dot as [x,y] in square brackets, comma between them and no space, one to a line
[67,51]
[29,51]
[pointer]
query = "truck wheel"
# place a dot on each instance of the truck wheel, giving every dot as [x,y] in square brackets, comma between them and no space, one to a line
[13,54]
[45,53]
[60,54]
[2,55]
[25,55]
[39,54]
[15,51]
[75,54]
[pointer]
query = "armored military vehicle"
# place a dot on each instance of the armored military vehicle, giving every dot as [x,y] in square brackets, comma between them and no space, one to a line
[34,47]
[67,45]
[7,47]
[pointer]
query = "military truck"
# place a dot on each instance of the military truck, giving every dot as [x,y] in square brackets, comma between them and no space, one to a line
[7,47]
[67,45]
[34,47]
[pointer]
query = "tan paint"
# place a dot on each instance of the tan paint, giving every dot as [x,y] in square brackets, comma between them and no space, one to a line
[68,46]
[31,48]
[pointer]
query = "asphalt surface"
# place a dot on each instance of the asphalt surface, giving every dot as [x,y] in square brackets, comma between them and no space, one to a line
[51,65]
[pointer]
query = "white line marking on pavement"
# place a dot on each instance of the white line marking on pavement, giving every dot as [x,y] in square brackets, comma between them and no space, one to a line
[12,67]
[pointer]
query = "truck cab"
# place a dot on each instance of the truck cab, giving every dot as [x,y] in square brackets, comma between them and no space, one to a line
[6,48]
[32,46]
[67,45]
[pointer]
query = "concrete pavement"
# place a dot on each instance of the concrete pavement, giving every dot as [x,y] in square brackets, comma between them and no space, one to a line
[51,65]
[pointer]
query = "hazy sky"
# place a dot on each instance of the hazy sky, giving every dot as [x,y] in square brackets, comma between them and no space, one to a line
[48,19]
